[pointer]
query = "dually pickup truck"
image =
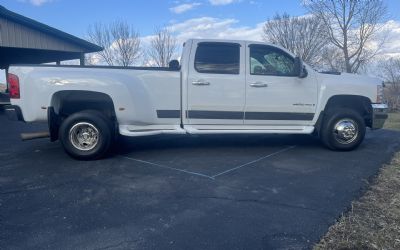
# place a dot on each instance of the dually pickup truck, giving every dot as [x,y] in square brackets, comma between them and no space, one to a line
[220,86]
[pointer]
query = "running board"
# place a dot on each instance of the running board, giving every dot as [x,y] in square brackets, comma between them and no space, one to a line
[280,130]
[199,129]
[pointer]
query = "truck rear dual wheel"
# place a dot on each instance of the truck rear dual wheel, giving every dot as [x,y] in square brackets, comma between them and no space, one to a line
[86,135]
[342,129]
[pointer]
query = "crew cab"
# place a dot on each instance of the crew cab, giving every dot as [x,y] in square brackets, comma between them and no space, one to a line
[221,86]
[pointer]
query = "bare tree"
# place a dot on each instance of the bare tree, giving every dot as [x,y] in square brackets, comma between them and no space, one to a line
[101,35]
[120,41]
[91,59]
[332,59]
[162,47]
[391,73]
[304,36]
[126,43]
[351,26]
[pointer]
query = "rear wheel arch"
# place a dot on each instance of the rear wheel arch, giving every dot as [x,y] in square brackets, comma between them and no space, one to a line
[67,102]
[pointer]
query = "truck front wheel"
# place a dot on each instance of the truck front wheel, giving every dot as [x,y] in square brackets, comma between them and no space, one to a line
[86,135]
[343,129]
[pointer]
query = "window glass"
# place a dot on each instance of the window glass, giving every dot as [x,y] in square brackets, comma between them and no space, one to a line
[267,60]
[217,58]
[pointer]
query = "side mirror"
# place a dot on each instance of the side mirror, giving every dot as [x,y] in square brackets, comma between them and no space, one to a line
[299,68]
[174,65]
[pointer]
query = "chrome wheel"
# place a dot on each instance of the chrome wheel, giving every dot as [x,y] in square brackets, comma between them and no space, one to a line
[345,131]
[84,136]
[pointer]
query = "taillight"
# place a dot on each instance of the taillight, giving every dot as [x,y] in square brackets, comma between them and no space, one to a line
[13,86]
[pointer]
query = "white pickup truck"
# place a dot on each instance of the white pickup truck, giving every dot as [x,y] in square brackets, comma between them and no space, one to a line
[221,86]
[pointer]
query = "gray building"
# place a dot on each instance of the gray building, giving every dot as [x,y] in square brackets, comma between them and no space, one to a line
[26,41]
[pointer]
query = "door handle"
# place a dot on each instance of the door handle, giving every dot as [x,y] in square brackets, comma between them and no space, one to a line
[258,84]
[200,83]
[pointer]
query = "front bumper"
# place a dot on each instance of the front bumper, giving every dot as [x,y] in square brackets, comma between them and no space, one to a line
[13,113]
[379,115]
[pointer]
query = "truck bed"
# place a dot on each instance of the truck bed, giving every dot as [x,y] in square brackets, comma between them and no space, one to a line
[137,93]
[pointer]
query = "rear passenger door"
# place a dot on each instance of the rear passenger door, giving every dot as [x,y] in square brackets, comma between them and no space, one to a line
[216,83]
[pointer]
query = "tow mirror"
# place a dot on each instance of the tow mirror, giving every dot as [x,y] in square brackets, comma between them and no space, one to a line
[299,68]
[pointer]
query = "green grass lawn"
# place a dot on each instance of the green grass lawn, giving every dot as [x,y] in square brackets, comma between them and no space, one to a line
[393,122]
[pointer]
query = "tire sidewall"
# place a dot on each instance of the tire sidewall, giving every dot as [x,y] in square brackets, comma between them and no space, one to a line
[331,120]
[104,140]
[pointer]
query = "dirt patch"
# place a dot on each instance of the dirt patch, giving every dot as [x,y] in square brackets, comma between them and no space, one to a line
[373,221]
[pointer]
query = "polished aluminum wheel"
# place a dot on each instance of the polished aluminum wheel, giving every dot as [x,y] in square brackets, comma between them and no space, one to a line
[84,136]
[345,131]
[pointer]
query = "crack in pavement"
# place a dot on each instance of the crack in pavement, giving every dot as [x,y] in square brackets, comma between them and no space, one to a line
[119,244]
[30,188]
[278,204]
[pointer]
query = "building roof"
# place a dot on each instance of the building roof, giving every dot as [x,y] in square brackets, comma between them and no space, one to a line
[28,22]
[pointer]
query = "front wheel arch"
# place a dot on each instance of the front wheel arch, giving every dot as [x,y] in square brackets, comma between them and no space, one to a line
[358,103]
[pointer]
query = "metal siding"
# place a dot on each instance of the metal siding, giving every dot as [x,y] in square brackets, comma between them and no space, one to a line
[2,35]
[19,36]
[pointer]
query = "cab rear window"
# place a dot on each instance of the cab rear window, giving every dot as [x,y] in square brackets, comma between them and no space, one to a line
[217,58]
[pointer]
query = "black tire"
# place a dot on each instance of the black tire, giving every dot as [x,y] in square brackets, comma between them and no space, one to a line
[330,133]
[92,123]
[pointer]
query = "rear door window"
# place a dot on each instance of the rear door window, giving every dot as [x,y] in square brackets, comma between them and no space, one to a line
[217,58]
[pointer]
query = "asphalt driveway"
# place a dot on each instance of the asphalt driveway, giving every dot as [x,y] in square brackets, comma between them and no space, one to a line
[180,192]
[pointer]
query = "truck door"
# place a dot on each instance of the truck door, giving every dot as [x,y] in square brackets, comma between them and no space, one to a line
[274,94]
[216,83]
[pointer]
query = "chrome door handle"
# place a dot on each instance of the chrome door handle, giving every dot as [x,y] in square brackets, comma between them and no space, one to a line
[258,84]
[200,83]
